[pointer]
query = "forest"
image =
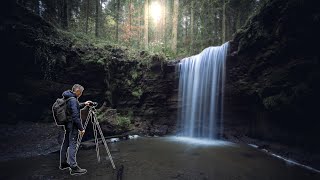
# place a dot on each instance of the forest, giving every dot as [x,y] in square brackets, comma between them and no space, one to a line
[161,89]
[172,27]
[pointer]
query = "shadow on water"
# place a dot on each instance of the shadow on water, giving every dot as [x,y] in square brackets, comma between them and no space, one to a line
[163,158]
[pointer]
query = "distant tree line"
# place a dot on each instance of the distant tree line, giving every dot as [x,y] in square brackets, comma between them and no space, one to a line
[172,26]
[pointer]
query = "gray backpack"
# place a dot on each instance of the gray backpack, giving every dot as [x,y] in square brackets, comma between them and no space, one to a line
[59,110]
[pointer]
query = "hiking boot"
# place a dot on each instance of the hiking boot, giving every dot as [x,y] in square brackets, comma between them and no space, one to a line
[64,166]
[77,170]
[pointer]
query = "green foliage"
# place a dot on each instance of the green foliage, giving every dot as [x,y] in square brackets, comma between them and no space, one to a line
[137,93]
[129,83]
[123,121]
[77,38]
[134,75]
[82,39]
[130,114]
[101,61]
[101,116]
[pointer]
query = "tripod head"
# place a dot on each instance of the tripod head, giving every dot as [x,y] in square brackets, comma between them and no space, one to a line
[92,106]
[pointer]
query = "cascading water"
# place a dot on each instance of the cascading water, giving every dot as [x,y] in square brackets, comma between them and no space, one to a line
[201,88]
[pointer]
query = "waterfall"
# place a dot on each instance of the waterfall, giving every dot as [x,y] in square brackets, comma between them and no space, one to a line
[201,89]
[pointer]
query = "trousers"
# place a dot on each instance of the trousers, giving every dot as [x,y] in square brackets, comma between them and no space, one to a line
[68,150]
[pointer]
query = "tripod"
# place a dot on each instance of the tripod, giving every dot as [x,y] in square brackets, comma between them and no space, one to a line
[95,124]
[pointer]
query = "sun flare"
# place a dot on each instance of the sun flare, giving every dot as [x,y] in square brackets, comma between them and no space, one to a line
[155,11]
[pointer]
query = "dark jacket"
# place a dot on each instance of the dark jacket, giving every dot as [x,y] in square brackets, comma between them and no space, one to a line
[73,108]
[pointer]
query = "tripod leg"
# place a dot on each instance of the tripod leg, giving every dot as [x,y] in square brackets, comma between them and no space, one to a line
[96,140]
[84,127]
[104,141]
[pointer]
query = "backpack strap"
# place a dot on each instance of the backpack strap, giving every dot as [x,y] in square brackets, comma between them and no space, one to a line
[69,98]
[67,104]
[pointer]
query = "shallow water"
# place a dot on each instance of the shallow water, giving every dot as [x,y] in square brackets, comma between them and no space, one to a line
[165,158]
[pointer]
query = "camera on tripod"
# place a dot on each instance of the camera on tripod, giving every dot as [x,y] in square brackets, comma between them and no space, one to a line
[92,117]
[94,104]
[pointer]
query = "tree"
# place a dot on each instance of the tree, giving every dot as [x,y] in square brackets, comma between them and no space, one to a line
[130,20]
[186,24]
[162,21]
[146,24]
[192,26]
[224,22]
[140,12]
[87,16]
[118,20]
[166,22]
[175,26]
[64,15]
[97,34]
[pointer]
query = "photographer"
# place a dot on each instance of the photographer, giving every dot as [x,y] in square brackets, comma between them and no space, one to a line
[72,128]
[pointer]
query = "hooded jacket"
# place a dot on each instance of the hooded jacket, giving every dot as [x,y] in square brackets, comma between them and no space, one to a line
[73,108]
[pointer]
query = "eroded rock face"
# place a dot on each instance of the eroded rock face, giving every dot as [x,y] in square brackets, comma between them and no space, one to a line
[273,75]
[144,92]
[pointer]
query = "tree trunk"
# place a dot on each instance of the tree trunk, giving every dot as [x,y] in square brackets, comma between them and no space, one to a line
[53,12]
[175,26]
[166,10]
[192,27]
[224,22]
[139,24]
[97,18]
[186,26]
[87,16]
[202,23]
[214,35]
[146,24]
[163,20]
[130,20]
[118,19]
[69,11]
[65,14]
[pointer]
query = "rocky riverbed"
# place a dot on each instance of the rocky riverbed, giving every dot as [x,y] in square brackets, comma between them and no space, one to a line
[26,139]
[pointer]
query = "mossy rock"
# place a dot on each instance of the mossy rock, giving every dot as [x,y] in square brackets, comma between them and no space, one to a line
[123,122]
[277,102]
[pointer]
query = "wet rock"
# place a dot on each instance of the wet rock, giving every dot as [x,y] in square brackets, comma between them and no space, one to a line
[159,130]
[270,76]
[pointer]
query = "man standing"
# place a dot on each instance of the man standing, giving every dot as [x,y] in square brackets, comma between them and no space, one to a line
[72,128]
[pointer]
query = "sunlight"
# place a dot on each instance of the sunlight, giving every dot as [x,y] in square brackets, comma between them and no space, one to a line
[155,10]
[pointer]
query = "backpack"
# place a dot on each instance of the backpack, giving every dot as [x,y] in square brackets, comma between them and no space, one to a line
[59,110]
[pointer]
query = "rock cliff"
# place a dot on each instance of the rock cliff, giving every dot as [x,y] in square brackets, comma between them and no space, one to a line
[273,75]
